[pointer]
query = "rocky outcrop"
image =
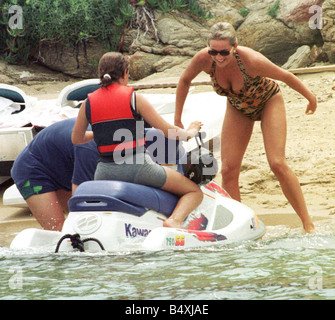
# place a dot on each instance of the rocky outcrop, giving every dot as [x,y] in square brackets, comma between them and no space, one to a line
[178,38]
[328,29]
[303,57]
[278,38]
[80,61]
[32,74]
[142,64]
[174,37]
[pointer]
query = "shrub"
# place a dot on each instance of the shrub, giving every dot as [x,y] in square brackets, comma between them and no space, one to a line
[74,21]
[273,11]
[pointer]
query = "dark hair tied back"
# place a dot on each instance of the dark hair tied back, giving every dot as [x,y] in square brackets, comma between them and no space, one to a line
[112,66]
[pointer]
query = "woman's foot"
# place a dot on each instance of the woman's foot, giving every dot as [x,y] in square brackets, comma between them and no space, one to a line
[171,223]
[309,227]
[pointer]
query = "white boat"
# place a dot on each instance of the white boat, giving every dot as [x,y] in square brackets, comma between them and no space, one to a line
[16,97]
[73,94]
[12,139]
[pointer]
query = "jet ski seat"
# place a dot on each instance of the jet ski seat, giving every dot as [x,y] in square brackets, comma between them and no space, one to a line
[101,195]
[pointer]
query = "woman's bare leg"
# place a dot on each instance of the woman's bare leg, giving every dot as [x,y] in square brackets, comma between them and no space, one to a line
[274,134]
[190,197]
[235,136]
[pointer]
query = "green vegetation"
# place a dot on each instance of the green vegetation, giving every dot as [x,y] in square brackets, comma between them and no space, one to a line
[75,21]
[273,11]
[244,12]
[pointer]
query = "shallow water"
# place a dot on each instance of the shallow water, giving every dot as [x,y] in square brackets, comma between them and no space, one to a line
[283,265]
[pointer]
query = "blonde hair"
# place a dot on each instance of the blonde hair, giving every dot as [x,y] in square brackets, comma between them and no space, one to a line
[223,31]
[112,66]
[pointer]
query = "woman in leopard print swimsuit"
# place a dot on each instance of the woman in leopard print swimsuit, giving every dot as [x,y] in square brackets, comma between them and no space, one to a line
[245,77]
[251,99]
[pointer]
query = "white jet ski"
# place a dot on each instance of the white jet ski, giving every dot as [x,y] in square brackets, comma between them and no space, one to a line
[120,216]
[117,216]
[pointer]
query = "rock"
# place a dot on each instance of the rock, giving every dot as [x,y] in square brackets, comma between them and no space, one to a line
[141,64]
[168,62]
[270,37]
[303,57]
[169,38]
[315,54]
[178,35]
[295,12]
[329,49]
[80,61]
[22,74]
[179,38]
[328,29]
[181,32]
[278,38]
[222,10]
[296,15]
[299,59]
[134,40]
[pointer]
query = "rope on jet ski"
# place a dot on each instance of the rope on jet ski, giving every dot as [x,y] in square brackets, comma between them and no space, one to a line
[76,242]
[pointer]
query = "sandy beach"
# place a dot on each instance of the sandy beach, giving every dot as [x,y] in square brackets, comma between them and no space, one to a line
[310,152]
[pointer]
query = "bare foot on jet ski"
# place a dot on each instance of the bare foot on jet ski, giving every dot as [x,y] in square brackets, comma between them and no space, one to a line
[172,223]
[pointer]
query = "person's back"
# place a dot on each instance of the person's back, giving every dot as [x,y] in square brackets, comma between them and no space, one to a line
[49,168]
[115,116]
[53,149]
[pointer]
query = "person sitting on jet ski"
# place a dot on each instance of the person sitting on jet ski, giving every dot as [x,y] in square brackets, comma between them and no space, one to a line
[117,117]
[49,169]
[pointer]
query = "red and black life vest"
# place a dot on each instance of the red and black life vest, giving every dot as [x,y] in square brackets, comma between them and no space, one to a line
[115,124]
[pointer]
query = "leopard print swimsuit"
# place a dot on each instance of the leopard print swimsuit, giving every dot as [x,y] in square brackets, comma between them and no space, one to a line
[253,97]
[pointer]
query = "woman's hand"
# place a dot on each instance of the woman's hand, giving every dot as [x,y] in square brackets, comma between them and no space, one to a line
[311,107]
[193,129]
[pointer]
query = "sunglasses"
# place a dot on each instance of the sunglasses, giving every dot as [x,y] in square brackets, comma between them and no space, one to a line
[223,52]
